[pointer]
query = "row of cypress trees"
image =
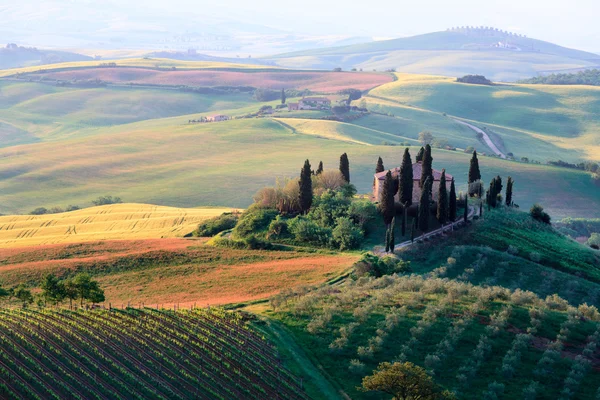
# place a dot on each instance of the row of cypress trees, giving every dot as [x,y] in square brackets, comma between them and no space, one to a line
[305,182]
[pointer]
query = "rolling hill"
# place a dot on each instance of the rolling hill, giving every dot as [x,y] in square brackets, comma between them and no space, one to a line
[455,52]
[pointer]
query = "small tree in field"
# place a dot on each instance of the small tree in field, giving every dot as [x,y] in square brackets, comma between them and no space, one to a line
[345,167]
[306,190]
[404,381]
[53,290]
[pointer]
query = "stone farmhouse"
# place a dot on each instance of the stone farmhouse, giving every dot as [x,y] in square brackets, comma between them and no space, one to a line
[311,103]
[217,118]
[417,170]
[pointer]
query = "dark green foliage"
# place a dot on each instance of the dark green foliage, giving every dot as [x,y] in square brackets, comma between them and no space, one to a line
[283,98]
[85,288]
[392,244]
[491,194]
[353,94]
[216,225]
[39,211]
[424,204]
[420,154]
[306,190]
[427,168]
[387,240]
[307,231]
[53,290]
[509,191]
[379,167]
[466,210]
[278,229]
[253,220]
[328,207]
[413,228]
[404,216]
[22,294]
[265,95]
[498,185]
[372,265]
[319,168]
[537,212]
[386,203]
[474,173]
[345,167]
[362,212]
[103,200]
[475,80]
[346,235]
[587,77]
[251,242]
[442,206]
[405,189]
[452,203]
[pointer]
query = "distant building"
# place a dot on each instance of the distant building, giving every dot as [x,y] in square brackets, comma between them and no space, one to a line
[417,170]
[314,103]
[217,118]
[293,106]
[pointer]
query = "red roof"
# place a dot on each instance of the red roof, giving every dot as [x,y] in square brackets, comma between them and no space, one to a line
[417,171]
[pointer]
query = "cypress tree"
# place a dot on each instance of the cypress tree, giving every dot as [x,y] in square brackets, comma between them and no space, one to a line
[345,167]
[392,235]
[405,189]
[474,173]
[387,240]
[427,167]
[420,155]
[452,203]
[509,187]
[319,168]
[413,228]
[442,206]
[497,187]
[404,221]
[466,211]
[283,98]
[386,203]
[424,206]
[379,168]
[306,190]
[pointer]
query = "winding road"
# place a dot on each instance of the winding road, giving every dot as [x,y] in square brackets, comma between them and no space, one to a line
[485,136]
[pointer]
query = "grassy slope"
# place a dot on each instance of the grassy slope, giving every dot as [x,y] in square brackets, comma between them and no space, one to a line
[166,162]
[116,221]
[564,116]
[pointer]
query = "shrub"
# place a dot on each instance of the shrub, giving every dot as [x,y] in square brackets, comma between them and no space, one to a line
[39,211]
[346,235]
[278,229]
[362,212]
[103,200]
[248,243]
[537,213]
[217,224]
[535,256]
[253,221]
[307,231]
[512,250]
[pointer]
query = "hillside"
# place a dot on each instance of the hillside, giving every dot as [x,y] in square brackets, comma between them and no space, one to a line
[13,56]
[138,354]
[115,221]
[452,53]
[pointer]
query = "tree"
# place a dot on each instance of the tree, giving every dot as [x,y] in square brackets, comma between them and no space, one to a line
[474,173]
[379,167]
[53,290]
[404,381]
[424,202]
[420,154]
[425,137]
[70,291]
[491,194]
[405,189]
[87,289]
[466,210]
[426,167]
[509,189]
[306,189]
[442,206]
[537,212]
[345,167]
[497,185]
[452,202]
[319,168]
[4,292]
[386,203]
[392,235]
[387,240]
[283,98]
[23,295]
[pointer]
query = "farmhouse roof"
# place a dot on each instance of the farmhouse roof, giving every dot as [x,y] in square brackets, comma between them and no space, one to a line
[315,99]
[417,171]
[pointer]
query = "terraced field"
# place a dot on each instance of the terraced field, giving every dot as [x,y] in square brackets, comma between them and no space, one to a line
[116,221]
[138,354]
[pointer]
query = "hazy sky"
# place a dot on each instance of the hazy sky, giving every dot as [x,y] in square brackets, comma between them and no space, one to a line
[572,24]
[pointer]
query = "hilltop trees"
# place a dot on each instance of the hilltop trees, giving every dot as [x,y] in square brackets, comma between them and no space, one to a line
[53,290]
[306,190]
[319,168]
[474,175]
[386,203]
[509,190]
[493,192]
[81,287]
[442,206]
[452,203]
[424,201]
[345,167]
[404,381]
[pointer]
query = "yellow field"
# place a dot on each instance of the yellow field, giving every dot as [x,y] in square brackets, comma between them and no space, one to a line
[115,221]
[135,62]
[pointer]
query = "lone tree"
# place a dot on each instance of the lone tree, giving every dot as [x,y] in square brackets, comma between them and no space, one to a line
[442,206]
[425,137]
[427,167]
[474,174]
[345,167]
[424,202]
[319,168]
[283,98]
[306,189]
[386,203]
[404,381]
[420,154]
[452,203]
[509,190]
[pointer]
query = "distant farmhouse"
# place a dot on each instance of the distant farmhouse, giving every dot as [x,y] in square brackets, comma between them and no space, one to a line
[217,118]
[417,170]
[311,103]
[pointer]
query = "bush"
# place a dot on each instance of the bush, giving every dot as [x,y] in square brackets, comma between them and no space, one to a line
[346,235]
[307,231]
[248,243]
[278,229]
[537,213]
[103,200]
[266,95]
[362,212]
[371,265]
[253,221]
[39,211]
[217,224]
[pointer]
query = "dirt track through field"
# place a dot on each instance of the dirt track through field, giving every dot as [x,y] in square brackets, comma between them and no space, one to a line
[485,136]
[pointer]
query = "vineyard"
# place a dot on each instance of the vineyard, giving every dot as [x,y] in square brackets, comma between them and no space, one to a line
[480,342]
[138,354]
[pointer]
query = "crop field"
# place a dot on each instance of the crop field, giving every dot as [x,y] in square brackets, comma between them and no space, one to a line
[564,116]
[115,221]
[138,354]
[326,82]
[473,340]
[172,271]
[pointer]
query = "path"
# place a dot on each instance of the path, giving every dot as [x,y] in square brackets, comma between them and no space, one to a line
[485,136]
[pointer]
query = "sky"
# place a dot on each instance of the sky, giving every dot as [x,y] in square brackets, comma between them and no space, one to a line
[571,24]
